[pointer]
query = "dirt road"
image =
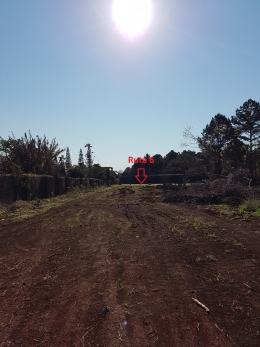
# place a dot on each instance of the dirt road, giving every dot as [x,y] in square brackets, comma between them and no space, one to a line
[119,267]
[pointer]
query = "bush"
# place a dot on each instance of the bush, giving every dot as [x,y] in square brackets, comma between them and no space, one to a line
[250,205]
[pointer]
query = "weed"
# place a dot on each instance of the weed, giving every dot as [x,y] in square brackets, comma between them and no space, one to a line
[225,210]
[125,304]
[219,277]
[228,251]
[121,287]
[210,257]
[198,259]
[182,232]
[256,213]
[250,205]
[236,243]
[110,215]
[173,229]
[245,216]
[127,312]
[213,235]
[196,223]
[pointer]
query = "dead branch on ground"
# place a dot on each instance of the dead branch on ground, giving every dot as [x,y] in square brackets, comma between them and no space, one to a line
[199,303]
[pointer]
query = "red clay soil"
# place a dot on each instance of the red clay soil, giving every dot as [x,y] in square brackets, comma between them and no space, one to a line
[118,267]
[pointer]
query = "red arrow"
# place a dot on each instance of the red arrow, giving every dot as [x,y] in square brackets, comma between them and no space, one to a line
[141,174]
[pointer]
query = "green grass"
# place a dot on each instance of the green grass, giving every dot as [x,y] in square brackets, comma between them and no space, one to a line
[225,210]
[248,208]
[251,206]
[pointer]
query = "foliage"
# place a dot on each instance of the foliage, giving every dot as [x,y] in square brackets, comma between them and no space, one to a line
[81,159]
[247,121]
[89,160]
[68,164]
[250,205]
[77,172]
[32,155]
[96,171]
[215,138]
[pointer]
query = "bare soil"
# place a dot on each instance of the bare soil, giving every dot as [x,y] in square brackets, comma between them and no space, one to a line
[121,267]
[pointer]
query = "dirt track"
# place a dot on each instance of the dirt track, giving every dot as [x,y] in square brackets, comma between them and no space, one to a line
[119,267]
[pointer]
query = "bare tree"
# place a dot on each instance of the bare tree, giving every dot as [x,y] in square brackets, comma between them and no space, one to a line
[190,139]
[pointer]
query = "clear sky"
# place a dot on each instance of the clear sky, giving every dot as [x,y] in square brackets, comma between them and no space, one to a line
[67,72]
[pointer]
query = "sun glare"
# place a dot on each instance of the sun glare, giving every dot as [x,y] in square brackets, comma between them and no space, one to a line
[132,17]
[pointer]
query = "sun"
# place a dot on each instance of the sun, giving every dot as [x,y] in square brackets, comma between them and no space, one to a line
[132,17]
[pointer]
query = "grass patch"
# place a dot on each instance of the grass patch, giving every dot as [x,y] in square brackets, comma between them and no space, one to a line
[212,235]
[196,223]
[72,222]
[210,257]
[225,210]
[212,224]
[236,243]
[250,207]
[198,259]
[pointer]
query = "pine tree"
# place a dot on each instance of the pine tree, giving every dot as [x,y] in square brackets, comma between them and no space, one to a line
[247,120]
[62,166]
[68,163]
[81,159]
[89,159]
[216,136]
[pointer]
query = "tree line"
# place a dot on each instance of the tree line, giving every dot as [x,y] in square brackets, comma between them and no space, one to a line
[29,155]
[225,145]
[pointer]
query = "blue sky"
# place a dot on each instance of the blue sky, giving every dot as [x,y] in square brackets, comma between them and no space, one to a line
[66,72]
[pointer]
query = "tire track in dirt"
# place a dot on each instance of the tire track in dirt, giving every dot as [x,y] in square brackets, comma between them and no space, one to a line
[144,292]
[122,271]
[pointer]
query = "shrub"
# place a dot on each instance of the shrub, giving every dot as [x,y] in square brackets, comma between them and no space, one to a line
[250,205]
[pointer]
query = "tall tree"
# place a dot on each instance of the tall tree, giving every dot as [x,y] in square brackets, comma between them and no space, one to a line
[235,153]
[89,159]
[81,159]
[247,120]
[68,164]
[62,166]
[215,138]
